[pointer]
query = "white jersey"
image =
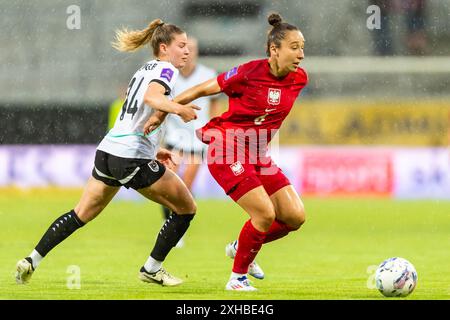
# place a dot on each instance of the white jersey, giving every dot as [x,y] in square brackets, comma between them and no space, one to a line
[126,139]
[179,134]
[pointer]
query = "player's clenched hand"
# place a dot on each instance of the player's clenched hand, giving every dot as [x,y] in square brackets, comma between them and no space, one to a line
[154,121]
[187,112]
[167,158]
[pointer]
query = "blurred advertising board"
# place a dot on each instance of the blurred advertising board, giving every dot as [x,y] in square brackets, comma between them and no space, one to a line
[407,173]
[336,122]
[45,165]
[422,173]
[340,172]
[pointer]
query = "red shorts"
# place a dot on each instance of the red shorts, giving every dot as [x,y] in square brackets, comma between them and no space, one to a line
[238,178]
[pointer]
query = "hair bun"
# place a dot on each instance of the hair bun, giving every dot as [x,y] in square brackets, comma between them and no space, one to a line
[275,19]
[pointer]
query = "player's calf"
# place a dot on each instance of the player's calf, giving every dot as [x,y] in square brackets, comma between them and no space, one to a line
[171,232]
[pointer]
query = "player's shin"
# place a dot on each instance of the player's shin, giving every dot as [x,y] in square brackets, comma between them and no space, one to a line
[169,235]
[59,230]
[250,242]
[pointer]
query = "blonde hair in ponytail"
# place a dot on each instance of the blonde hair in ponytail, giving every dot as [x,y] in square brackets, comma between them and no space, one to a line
[157,32]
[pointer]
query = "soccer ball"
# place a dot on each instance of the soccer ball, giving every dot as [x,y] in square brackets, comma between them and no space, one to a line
[396,277]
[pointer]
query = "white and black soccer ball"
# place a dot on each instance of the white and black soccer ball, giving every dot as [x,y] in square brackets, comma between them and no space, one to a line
[396,277]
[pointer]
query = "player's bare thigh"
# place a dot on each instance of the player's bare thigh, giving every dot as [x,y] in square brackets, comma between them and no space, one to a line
[288,206]
[96,196]
[171,192]
[259,207]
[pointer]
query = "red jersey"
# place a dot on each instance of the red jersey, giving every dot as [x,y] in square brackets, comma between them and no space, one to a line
[258,100]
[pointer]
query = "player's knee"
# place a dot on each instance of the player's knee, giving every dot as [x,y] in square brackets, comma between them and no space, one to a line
[193,207]
[265,217]
[296,217]
[299,221]
[299,218]
[187,207]
[85,215]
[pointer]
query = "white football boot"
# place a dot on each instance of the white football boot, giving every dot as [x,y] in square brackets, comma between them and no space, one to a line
[239,284]
[253,269]
[161,277]
[24,271]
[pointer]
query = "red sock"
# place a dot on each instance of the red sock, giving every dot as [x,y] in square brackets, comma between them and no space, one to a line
[277,230]
[250,241]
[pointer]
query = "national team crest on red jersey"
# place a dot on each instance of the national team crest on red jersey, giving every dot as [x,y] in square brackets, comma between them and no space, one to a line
[274,96]
[237,168]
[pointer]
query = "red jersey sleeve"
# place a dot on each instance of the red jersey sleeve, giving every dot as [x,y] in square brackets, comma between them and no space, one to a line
[230,81]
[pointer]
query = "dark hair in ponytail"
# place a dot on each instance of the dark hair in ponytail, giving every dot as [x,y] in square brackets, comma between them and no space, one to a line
[278,31]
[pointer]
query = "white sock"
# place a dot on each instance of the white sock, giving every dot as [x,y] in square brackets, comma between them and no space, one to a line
[36,258]
[235,275]
[152,265]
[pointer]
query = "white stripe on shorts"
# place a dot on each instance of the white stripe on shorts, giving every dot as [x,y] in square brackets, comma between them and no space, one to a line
[122,181]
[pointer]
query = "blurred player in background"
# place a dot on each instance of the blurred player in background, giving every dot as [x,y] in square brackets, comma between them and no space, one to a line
[180,136]
[126,157]
[261,94]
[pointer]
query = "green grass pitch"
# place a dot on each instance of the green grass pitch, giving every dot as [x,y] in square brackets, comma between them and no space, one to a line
[331,257]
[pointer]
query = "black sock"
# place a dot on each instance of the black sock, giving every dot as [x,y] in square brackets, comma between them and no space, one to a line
[170,233]
[59,230]
[166,212]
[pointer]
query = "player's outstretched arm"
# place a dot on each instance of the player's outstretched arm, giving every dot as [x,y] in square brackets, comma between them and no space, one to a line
[154,121]
[156,98]
[207,88]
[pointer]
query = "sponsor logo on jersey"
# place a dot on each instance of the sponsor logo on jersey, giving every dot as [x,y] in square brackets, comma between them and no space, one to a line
[237,168]
[167,74]
[274,96]
[231,73]
[259,120]
[153,166]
